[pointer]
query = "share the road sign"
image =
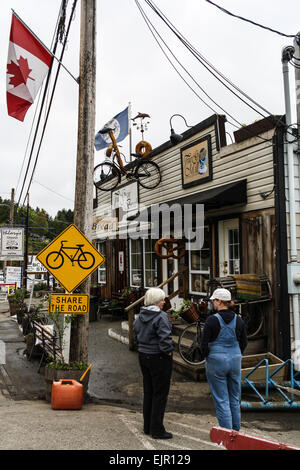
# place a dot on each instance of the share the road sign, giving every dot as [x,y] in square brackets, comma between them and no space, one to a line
[69,304]
[70,258]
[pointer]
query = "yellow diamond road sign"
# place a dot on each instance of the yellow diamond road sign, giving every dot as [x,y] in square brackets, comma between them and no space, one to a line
[70,258]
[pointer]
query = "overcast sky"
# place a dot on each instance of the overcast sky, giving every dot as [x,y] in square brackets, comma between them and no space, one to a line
[132,68]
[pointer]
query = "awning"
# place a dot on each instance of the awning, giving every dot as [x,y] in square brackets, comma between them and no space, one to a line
[226,195]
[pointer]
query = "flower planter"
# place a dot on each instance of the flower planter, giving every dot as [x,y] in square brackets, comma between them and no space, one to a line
[57,374]
[13,307]
[190,314]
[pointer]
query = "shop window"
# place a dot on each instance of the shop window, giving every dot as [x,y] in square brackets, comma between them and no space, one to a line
[135,254]
[101,247]
[199,264]
[150,263]
[234,251]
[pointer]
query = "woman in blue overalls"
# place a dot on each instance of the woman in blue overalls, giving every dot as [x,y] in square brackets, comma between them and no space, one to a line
[223,341]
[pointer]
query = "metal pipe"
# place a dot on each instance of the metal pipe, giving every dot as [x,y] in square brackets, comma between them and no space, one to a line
[287,54]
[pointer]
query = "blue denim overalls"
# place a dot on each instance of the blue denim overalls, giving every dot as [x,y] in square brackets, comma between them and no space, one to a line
[223,372]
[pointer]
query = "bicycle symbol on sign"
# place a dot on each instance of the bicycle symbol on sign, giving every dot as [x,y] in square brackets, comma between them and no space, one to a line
[85,259]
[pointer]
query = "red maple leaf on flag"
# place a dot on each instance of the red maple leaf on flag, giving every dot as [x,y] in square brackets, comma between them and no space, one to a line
[20,72]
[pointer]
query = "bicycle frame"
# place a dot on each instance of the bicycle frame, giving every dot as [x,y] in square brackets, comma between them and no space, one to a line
[78,249]
[117,152]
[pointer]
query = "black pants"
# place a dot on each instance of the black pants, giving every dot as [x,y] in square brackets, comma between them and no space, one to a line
[156,370]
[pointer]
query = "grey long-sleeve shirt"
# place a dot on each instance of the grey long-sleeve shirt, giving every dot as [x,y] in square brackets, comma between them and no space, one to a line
[153,331]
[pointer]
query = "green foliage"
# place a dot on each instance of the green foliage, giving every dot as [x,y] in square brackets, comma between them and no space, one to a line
[186,304]
[126,292]
[57,365]
[18,297]
[42,227]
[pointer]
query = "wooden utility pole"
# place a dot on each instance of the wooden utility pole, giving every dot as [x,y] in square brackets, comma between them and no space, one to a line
[83,209]
[25,263]
[12,205]
[11,213]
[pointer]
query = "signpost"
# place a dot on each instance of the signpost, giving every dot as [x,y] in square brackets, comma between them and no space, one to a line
[70,258]
[69,304]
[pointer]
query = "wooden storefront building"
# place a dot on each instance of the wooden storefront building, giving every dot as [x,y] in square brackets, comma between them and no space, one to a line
[242,187]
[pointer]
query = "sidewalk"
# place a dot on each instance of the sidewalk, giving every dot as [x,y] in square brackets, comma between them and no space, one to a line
[115,376]
[112,419]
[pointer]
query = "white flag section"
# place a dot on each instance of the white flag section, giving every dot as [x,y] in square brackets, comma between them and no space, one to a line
[27,65]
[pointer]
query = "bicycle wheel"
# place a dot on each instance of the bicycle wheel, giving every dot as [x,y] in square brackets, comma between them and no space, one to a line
[106,176]
[253,316]
[86,260]
[189,344]
[55,260]
[148,174]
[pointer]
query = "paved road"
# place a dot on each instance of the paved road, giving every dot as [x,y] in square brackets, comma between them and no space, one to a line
[28,423]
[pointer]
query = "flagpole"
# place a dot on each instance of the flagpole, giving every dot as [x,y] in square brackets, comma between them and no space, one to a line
[41,42]
[129,131]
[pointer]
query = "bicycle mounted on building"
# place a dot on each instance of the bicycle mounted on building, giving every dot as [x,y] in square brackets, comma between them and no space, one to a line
[107,175]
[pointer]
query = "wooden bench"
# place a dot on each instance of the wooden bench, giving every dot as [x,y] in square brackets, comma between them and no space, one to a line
[48,342]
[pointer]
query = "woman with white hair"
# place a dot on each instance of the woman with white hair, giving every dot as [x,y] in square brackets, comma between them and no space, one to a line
[153,333]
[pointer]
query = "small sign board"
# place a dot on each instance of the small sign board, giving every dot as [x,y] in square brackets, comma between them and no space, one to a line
[11,244]
[69,304]
[13,275]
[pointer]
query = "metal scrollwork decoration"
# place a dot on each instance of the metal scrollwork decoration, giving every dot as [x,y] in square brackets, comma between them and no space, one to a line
[171,245]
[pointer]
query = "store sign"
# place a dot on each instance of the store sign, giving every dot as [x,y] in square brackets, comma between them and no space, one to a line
[12,244]
[34,266]
[13,275]
[126,198]
[196,162]
[69,304]
[105,226]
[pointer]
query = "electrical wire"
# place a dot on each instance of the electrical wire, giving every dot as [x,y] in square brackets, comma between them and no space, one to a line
[38,102]
[250,21]
[148,22]
[52,95]
[202,59]
[39,117]
[52,191]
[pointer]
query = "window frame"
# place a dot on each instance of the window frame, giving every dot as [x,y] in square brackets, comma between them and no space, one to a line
[199,271]
[103,266]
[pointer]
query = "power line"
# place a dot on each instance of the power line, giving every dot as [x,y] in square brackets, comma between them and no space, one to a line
[40,93]
[41,109]
[52,191]
[204,61]
[152,29]
[250,21]
[49,107]
[148,22]
[206,64]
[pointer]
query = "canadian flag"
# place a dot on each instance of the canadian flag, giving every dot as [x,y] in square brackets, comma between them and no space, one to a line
[27,65]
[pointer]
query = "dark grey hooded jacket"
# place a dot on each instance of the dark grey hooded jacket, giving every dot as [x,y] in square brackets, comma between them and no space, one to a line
[153,331]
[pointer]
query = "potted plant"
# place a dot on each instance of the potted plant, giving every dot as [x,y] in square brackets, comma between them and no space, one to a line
[60,369]
[56,370]
[174,317]
[188,311]
[17,301]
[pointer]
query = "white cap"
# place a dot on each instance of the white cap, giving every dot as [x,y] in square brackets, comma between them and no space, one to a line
[221,294]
